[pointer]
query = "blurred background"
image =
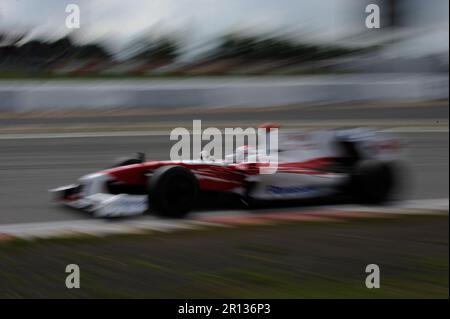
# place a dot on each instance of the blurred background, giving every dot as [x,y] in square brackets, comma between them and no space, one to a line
[71,100]
[311,51]
[206,37]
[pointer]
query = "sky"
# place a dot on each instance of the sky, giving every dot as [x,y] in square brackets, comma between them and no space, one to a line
[116,22]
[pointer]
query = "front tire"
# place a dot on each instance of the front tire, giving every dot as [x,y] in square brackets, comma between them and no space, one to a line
[172,191]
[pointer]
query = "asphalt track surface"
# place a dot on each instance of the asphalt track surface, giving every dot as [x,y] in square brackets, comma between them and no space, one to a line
[29,167]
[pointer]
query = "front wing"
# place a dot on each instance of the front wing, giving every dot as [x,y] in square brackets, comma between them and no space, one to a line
[102,204]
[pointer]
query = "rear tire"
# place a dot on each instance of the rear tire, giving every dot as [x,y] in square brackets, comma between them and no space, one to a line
[249,201]
[372,182]
[172,191]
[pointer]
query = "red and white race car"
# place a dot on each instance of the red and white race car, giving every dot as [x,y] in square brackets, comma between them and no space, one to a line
[312,164]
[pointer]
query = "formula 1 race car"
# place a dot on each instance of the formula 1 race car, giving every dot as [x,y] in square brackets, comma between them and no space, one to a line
[359,163]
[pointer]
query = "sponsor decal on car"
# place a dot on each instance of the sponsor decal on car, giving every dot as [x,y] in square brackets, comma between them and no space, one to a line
[277,190]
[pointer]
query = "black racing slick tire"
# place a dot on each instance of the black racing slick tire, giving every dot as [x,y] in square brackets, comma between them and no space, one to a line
[172,191]
[372,182]
[249,201]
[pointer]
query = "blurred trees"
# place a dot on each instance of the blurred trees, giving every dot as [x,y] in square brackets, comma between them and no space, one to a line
[270,48]
[44,55]
[38,51]
[231,46]
[161,49]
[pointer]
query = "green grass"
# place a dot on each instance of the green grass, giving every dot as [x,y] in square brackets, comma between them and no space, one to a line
[291,260]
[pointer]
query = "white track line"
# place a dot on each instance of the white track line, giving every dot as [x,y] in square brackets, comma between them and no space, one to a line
[98,227]
[92,227]
[82,135]
[167,133]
